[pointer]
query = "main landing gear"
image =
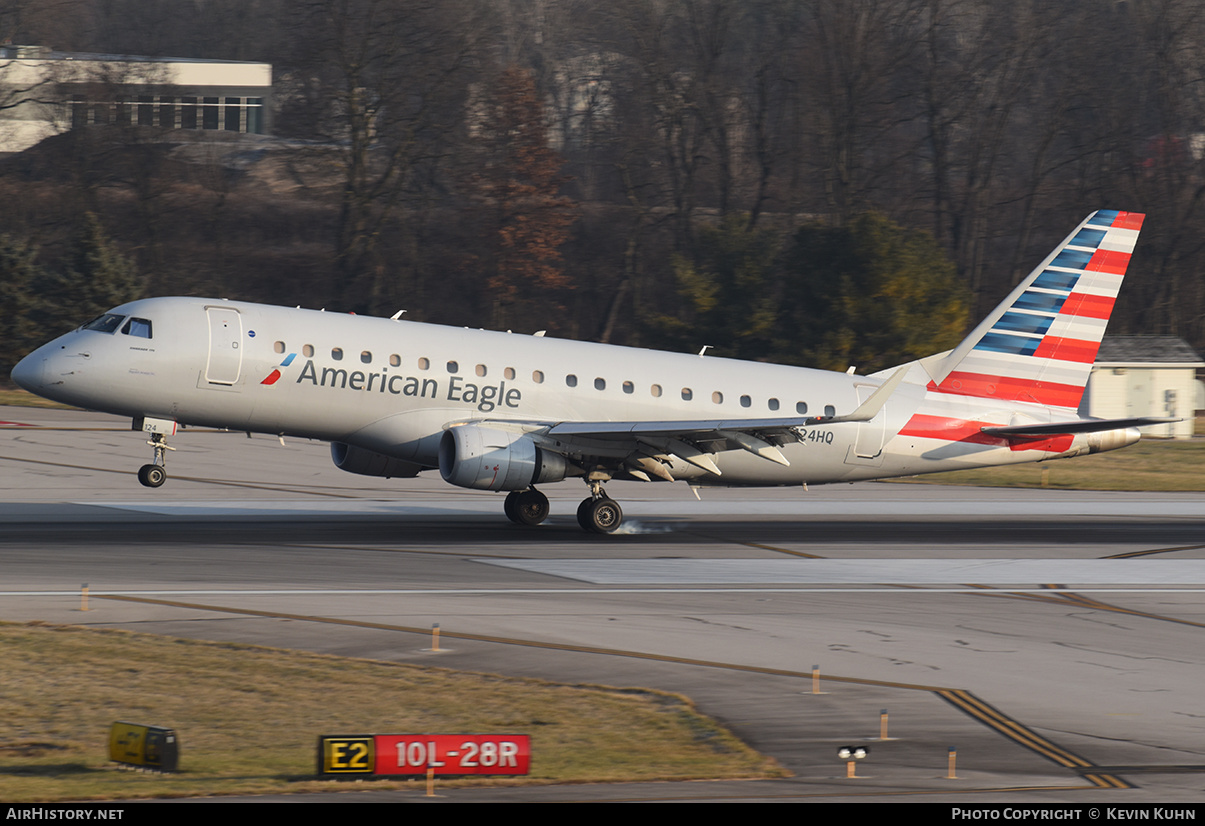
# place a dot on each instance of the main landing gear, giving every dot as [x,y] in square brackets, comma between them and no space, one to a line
[599,513]
[155,474]
[526,507]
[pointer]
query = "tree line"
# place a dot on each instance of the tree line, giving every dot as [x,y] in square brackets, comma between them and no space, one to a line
[760,176]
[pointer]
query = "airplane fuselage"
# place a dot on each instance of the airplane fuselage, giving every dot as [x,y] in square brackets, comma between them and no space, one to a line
[503,412]
[394,387]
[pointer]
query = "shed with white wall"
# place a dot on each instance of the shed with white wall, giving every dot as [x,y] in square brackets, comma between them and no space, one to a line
[1145,376]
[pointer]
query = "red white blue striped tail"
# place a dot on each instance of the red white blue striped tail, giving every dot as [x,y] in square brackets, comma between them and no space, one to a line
[1039,344]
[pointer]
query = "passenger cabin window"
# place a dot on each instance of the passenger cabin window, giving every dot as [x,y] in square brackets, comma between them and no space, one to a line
[537,376]
[365,357]
[279,346]
[801,408]
[717,397]
[509,373]
[107,323]
[308,351]
[337,354]
[140,327]
[687,394]
[453,367]
[773,404]
[628,387]
[481,369]
[829,410]
[395,360]
[600,384]
[746,401]
[655,390]
[424,364]
[571,380]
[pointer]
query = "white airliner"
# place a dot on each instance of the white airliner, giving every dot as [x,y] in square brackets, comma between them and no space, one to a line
[505,412]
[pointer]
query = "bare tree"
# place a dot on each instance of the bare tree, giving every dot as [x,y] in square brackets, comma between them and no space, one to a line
[1162,166]
[979,68]
[387,93]
[30,108]
[855,51]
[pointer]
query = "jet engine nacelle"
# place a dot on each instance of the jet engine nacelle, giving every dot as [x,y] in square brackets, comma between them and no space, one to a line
[370,463]
[471,456]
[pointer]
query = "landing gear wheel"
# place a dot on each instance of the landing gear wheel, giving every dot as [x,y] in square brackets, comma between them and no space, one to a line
[526,507]
[602,515]
[583,511]
[531,507]
[155,474]
[152,475]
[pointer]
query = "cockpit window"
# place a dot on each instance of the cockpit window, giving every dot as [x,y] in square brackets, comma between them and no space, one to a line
[140,327]
[107,323]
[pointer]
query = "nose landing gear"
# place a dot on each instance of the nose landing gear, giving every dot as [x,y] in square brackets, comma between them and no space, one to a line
[152,475]
[155,474]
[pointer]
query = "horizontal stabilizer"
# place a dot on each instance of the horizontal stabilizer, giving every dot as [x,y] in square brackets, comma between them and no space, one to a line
[1081,426]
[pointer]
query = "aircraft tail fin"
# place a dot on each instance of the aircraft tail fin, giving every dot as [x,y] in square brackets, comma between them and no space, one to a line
[1039,344]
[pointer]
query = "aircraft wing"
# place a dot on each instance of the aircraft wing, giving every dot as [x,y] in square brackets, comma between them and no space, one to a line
[1080,426]
[693,440]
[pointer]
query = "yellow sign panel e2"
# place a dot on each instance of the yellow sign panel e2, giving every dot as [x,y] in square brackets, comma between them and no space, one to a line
[347,755]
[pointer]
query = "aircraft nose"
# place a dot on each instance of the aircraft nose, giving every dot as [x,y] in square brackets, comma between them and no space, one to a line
[27,373]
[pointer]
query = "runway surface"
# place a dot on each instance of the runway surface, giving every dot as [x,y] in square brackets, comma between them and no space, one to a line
[1054,639]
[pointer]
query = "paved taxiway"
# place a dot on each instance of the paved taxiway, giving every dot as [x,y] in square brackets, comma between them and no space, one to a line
[1053,638]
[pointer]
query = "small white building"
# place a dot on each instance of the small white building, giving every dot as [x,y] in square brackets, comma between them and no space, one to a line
[1145,376]
[43,93]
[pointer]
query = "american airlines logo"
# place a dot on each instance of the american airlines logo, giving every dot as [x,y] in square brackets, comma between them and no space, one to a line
[274,376]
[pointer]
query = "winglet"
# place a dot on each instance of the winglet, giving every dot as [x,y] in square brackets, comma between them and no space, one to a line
[870,408]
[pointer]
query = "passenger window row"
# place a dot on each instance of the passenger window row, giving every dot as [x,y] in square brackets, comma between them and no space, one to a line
[537,376]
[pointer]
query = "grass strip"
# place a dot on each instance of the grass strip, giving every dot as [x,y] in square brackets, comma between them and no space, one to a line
[248,718]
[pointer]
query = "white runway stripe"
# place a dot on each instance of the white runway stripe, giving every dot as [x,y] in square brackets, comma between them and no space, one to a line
[866,571]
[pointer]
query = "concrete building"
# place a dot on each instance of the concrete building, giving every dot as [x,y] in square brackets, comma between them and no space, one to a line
[43,93]
[1145,376]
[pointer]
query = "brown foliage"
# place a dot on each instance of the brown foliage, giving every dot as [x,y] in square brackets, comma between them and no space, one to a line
[517,182]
